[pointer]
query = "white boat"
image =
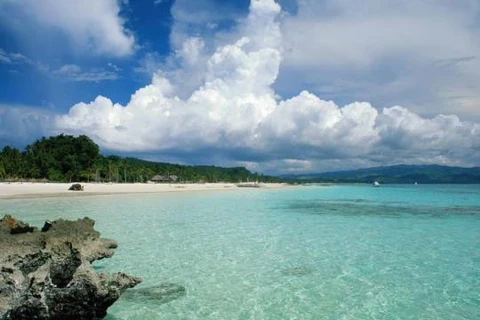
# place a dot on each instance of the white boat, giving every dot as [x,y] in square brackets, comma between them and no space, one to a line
[376,184]
[248,185]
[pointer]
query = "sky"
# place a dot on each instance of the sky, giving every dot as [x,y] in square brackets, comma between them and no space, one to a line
[286,86]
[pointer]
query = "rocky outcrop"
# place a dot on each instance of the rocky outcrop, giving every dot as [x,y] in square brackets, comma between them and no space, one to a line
[10,225]
[47,273]
[76,187]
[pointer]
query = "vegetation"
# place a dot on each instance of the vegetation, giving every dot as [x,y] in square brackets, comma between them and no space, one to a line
[66,158]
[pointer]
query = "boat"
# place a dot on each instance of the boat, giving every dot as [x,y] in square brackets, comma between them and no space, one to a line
[249,185]
[376,184]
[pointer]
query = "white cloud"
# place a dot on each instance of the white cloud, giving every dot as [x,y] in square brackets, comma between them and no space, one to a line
[13,58]
[387,52]
[90,25]
[68,72]
[231,114]
[72,72]
[234,110]
[17,59]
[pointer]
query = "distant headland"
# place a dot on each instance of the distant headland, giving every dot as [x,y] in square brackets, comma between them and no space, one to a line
[402,174]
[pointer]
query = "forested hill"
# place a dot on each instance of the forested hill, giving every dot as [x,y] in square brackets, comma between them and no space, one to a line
[399,174]
[66,158]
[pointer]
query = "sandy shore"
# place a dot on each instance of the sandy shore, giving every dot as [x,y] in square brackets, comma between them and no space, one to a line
[36,190]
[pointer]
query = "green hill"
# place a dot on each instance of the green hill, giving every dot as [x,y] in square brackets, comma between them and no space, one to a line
[399,174]
[68,158]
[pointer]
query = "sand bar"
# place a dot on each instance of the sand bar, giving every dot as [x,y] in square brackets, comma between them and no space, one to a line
[37,190]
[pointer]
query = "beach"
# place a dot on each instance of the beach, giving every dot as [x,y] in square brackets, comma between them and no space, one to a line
[34,190]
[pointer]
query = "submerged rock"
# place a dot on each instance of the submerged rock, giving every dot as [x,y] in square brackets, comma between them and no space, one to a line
[48,274]
[163,293]
[297,271]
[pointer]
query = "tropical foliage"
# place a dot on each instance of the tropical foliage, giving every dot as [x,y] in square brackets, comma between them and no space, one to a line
[68,158]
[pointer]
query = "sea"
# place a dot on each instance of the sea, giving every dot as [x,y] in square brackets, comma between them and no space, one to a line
[301,252]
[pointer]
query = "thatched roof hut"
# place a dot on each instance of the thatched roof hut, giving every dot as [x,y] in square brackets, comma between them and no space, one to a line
[159,178]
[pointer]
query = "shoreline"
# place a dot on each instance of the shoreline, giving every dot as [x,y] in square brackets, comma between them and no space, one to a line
[29,190]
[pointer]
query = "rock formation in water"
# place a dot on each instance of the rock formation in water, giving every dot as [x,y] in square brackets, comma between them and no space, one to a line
[47,273]
[160,294]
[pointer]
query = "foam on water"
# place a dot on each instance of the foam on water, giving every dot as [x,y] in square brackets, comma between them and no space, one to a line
[340,252]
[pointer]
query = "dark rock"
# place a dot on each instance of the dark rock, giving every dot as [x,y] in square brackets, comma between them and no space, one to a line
[7,270]
[32,262]
[76,187]
[63,269]
[46,226]
[14,226]
[27,307]
[163,293]
[48,275]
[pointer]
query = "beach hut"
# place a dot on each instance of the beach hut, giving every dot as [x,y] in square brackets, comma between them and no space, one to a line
[159,178]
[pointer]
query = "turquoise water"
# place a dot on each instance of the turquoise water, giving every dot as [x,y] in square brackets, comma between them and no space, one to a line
[338,252]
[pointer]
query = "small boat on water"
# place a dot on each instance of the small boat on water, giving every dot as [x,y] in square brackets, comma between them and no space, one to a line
[249,185]
[376,184]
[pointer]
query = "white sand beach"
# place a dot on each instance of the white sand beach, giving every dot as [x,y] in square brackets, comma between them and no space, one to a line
[34,190]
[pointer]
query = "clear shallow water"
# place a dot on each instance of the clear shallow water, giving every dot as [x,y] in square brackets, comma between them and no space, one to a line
[340,252]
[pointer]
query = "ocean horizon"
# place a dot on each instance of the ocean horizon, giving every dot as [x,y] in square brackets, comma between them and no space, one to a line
[305,252]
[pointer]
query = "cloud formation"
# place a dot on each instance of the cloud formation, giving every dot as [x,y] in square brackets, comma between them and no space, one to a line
[213,101]
[234,113]
[90,25]
[387,52]
[67,72]
[72,72]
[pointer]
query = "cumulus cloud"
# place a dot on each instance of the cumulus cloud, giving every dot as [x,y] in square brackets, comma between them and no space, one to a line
[226,112]
[233,113]
[90,25]
[420,53]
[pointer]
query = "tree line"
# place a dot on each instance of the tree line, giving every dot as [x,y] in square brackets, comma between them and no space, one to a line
[66,158]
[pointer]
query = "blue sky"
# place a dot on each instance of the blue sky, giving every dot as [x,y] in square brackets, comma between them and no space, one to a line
[277,86]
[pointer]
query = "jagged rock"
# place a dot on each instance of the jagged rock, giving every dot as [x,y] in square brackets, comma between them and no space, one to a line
[48,274]
[13,226]
[76,187]
[163,293]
